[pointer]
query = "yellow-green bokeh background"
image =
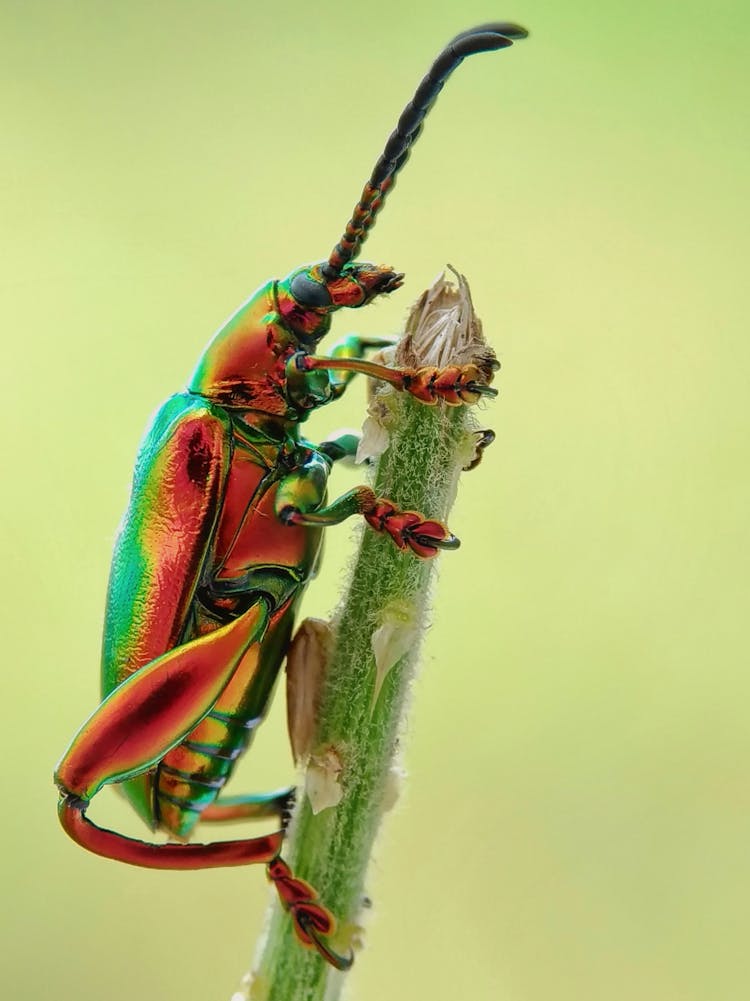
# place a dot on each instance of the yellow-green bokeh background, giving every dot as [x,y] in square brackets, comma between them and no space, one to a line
[577,822]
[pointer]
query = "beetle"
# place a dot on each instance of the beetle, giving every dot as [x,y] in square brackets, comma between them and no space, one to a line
[223,532]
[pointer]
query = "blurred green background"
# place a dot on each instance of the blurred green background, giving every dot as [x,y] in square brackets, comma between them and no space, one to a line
[577,820]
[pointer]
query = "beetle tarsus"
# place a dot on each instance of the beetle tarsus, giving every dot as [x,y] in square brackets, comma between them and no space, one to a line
[313,923]
[410,529]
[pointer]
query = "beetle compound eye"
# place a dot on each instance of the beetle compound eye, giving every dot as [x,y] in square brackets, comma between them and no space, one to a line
[309,292]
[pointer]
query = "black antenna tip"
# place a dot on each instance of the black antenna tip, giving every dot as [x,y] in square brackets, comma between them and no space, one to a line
[504,28]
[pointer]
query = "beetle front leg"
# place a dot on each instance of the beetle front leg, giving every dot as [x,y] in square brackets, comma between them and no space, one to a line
[454,385]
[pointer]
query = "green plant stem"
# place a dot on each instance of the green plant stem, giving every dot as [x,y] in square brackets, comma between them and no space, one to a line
[331,850]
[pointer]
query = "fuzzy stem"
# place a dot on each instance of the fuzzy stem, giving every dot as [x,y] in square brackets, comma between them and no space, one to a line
[388,591]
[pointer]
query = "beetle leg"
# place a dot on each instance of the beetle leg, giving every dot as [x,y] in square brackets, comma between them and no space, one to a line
[354,346]
[168,698]
[341,445]
[111,844]
[408,529]
[253,806]
[358,500]
[454,385]
[298,502]
[313,923]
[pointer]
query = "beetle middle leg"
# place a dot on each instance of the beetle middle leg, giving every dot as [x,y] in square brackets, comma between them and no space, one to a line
[252,806]
[298,502]
[354,347]
[408,529]
[340,446]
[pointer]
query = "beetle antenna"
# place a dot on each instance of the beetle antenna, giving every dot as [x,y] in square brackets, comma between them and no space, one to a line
[483,38]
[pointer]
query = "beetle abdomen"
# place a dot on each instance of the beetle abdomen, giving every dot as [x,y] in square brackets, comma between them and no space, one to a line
[192,775]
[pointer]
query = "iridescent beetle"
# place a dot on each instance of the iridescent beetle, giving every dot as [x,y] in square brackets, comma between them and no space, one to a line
[221,535]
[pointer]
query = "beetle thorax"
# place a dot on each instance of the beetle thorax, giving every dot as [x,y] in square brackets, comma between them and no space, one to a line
[243,367]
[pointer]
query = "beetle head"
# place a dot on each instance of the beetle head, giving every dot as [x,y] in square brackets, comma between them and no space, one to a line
[308,295]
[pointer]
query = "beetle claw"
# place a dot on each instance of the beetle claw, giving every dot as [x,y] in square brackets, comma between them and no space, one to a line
[313,922]
[287,808]
[482,389]
[449,542]
[484,439]
[321,946]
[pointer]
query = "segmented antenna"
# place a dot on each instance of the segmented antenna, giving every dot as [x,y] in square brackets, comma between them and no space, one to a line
[483,38]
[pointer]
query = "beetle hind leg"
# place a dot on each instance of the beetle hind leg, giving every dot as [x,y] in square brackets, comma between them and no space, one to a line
[313,923]
[168,698]
[110,844]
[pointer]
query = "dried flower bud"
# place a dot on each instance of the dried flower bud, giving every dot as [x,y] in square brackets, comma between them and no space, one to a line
[443,329]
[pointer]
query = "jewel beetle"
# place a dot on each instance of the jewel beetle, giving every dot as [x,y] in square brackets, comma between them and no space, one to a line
[221,535]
